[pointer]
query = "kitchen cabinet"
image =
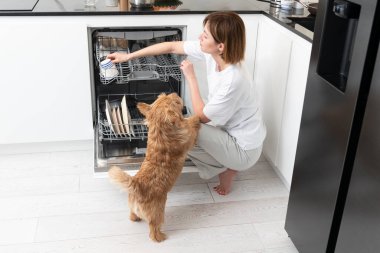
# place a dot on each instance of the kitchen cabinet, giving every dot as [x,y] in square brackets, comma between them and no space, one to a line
[271,74]
[281,66]
[45,88]
[292,108]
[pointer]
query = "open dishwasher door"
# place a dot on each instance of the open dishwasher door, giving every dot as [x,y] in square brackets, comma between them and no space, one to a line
[120,136]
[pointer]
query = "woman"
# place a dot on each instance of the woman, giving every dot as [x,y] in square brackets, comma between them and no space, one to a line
[232,133]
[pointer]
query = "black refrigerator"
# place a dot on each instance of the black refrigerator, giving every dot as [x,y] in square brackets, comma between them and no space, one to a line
[334,202]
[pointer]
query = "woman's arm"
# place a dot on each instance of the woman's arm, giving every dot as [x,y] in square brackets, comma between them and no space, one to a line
[196,99]
[175,47]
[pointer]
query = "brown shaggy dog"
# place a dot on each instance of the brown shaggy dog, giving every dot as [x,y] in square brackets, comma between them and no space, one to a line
[170,136]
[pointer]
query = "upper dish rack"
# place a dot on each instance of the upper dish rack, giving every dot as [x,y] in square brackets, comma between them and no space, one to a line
[160,67]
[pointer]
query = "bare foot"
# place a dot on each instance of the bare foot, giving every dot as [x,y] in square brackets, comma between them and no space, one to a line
[225,182]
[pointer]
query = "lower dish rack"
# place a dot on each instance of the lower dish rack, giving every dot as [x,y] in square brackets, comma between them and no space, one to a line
[112,126]
[140,131]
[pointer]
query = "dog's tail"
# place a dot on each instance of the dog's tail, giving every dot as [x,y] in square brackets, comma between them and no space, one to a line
[120,177]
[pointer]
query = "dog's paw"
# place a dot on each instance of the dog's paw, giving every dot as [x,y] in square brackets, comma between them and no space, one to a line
[158,236]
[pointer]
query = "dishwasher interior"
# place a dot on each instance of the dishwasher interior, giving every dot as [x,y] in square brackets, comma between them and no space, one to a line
[119,130]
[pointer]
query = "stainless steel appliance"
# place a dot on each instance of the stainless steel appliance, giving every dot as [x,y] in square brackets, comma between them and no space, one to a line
[334,198]
[139,80]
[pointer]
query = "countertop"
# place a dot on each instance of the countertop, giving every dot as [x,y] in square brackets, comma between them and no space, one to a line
[77,8]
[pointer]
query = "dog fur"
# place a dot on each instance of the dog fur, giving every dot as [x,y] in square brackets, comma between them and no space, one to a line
[170,136]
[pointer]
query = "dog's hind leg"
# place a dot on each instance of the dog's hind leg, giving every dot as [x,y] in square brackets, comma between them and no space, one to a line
[155,231]
[155,219]
[134,217]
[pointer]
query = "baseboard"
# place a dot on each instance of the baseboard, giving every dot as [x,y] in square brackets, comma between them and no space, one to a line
[278,172]
[41,147]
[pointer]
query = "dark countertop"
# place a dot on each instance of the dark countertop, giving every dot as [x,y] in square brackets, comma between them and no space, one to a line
[77,8]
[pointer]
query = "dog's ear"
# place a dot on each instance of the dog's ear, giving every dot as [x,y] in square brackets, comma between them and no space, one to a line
[143,108]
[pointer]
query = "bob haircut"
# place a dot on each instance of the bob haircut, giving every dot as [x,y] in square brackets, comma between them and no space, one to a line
[228,28]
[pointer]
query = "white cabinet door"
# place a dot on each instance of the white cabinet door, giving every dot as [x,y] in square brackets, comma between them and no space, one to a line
[45,86]
[293,104]
[270,77]
[282,62]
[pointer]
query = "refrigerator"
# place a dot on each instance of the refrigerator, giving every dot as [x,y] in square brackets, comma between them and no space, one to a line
[334,201]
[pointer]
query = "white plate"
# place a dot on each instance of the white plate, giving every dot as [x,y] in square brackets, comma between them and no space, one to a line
[126,117]
[108,115]
[120,121]
[114,121]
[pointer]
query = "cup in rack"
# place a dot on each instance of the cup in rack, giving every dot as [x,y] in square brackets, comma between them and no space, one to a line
[108,69]
[106,64]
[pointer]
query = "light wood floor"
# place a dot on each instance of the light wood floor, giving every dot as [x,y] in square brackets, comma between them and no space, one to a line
[50,202]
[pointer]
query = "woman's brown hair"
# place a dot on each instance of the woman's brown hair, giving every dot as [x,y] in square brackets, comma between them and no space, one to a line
[228,28]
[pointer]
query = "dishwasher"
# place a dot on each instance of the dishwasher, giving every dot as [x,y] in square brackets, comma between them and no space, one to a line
[139,80]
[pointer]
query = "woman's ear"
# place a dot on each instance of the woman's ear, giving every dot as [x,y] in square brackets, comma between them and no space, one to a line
[143,108]
[221,48]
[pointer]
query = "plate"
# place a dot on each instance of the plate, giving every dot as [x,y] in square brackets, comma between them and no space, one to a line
[108,115]
[114,121]
[126,117]
[120,121]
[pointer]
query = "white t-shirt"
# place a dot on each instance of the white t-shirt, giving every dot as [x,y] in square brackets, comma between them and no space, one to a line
[232,100]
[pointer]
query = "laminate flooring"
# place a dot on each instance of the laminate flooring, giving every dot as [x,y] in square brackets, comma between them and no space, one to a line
[51,202]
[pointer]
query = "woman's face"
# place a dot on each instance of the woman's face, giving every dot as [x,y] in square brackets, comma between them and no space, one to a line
[208,43]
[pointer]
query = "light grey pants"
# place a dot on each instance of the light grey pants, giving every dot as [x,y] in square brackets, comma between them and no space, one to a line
[216,151]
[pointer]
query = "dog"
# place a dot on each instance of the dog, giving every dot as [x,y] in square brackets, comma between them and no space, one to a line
[170,136]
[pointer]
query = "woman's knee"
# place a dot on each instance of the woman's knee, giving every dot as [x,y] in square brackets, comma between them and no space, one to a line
[206,134]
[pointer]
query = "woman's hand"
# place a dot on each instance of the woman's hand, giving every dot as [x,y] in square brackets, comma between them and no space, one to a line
[196,99]
[118,57]
[187,69]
